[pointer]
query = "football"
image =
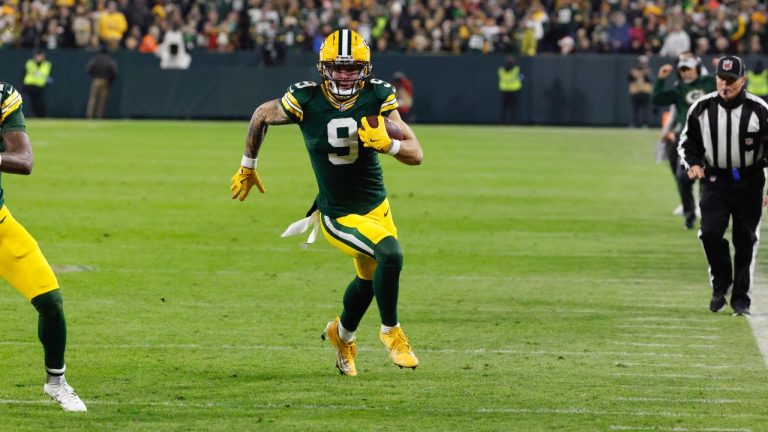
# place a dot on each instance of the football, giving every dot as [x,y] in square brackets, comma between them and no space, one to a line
[393,129]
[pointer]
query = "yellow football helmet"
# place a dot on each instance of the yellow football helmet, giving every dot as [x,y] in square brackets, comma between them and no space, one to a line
[344,48]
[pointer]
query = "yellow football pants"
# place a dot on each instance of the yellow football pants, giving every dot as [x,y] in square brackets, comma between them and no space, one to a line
[356,235]
[22,263]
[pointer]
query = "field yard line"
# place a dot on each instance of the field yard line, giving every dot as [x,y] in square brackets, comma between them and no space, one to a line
[655,387]
[570,410]
[667,318]
[319,347]
[668,365]
[675,429]
[702,401]
[665,327]
[759,319]
[664,375]
[663,345]
[657,335]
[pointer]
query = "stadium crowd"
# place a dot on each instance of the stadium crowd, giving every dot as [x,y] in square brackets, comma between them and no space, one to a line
[525,27]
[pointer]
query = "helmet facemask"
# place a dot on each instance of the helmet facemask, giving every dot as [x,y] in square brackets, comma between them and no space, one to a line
[335,86]
[344,49]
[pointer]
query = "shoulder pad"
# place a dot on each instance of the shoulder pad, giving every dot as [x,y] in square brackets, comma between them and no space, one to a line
[6,88]
[303,90]
[297,95]
[381,88]
[10,101]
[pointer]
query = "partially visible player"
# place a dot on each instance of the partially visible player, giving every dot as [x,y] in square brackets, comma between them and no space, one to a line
[351,206]
[22,263]
[693,83]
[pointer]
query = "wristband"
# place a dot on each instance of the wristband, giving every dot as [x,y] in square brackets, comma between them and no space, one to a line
[248,162]
[394,148]
[1,159]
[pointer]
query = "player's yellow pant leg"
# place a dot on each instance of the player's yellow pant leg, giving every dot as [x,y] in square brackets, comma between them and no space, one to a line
[22,263]
[355,235]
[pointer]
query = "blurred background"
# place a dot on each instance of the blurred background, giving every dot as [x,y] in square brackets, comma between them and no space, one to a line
[218,59]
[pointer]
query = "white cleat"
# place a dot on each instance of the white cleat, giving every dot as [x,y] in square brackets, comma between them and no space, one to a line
[678,211]
[65,395]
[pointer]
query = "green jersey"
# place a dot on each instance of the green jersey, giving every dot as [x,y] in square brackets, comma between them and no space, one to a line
[682,95]
[11,117]
[349,176]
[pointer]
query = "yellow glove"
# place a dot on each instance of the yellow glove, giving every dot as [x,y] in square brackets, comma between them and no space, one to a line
[243,181]
[375,138]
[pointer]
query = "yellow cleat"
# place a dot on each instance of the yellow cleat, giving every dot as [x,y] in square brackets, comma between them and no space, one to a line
[345,352]
[399,348]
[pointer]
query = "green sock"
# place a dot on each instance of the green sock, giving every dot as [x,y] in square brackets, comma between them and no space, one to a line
[386,278]
[51,328]
[357,298]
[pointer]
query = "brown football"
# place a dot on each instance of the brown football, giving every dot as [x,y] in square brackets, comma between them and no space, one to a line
[393,129]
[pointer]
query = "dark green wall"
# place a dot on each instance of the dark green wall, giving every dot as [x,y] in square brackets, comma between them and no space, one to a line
[574,90]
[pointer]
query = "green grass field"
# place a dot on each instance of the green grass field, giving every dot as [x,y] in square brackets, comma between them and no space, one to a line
[546,287]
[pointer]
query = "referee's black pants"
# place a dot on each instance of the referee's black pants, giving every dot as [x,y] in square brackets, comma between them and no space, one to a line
[723,198]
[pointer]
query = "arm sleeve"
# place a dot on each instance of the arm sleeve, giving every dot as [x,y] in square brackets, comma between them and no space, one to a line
[659,96]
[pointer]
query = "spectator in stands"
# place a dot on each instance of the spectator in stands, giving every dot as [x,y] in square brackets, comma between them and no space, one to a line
[103,72]
[722,46]
[677,41]
[82,26]
[112,26]
[640,91]
[618,32]
[527,28]
[37,76]
[149,41]
[702,47]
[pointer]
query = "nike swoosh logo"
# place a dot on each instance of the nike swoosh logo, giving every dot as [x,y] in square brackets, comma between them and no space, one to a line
[3,219]
[385,214]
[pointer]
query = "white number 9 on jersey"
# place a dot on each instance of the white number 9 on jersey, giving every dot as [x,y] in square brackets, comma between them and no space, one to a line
[349,125]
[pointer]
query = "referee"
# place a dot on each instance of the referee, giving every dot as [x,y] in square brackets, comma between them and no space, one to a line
[723,143]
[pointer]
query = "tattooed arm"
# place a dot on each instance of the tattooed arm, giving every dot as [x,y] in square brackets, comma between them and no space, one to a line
[268,113]
[246,177]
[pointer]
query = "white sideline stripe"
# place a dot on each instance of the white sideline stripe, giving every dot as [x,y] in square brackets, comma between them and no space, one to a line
[573,410]
[669,365]
[660,345]
[759,307]
[651,375]
[359,348]
[665,327]
[656,386]
[661,336]
[674,428]
[666,318]
[701,401]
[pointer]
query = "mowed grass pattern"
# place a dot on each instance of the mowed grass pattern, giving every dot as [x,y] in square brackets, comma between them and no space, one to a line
[546,287]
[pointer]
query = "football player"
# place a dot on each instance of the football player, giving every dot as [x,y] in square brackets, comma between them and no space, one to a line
[22,263]
[352,206]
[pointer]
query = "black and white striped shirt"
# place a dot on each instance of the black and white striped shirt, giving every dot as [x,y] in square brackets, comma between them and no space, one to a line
[725,134]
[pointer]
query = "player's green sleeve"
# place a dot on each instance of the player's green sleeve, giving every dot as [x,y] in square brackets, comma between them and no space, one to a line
[659,96]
